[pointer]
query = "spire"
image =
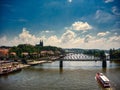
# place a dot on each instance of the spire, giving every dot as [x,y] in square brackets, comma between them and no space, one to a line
[41,43]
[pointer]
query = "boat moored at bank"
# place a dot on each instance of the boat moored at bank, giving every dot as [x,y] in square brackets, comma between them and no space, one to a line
[9,67]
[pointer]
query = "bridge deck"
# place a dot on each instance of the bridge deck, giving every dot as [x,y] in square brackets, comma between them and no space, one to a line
[81,60]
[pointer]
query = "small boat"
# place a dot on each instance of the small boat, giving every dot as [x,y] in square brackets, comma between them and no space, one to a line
[105,82]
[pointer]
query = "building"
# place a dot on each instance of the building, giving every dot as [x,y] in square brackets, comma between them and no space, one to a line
[40,44]
[13,53]
[4,52]
[45,53]
[24,53]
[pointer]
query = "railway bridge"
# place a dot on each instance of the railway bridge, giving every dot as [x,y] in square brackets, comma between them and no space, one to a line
[81,57]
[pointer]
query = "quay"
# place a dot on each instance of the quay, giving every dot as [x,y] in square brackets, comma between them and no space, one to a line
[7,67]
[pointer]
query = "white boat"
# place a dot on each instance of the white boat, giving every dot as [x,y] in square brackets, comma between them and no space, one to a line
[105,82]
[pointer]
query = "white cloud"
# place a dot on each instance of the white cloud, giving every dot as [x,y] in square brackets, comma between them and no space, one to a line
[3,40]
[47,31]
[68,39]
[108,1]
[69,1]
[53,40]
[116,33]
[116,10]
[96,43]
[103,17]
[101,34]
[67,36]
[26,37]
[114,38]
[88,38]
[80,26]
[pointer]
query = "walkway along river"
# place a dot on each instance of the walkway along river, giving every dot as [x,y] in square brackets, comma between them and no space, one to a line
[75,75]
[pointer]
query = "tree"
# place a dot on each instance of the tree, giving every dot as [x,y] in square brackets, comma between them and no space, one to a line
[33,49]
[111,53]
[102,54]
[114,54]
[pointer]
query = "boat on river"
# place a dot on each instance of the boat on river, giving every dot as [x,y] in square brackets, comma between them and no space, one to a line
[104,81]
[9,67]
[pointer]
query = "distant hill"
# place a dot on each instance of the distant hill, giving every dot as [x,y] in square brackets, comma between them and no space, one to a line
[78,50]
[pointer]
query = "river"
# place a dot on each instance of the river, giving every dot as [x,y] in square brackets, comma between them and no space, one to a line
[75,75]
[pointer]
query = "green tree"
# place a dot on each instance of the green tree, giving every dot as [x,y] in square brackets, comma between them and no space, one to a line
[102,54]
[33,49]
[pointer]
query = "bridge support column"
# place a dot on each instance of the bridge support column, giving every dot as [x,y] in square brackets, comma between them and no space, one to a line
[104,63]
[61,64]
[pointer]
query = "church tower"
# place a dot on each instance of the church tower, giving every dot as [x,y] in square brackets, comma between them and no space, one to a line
[41,43]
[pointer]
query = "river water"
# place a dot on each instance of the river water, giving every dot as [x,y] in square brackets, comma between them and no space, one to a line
[75,75]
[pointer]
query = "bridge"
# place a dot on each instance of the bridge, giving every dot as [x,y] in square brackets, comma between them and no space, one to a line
[81,57]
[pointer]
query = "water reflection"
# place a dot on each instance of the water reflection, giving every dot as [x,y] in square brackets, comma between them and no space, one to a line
[61,70]
[5,77]
[104,69]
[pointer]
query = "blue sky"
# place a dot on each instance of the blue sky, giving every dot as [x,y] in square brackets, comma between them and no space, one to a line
[63,23]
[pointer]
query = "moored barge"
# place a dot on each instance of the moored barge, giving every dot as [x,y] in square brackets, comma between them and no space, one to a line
[9,67]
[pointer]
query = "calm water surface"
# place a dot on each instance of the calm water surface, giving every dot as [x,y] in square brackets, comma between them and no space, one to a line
[75,75]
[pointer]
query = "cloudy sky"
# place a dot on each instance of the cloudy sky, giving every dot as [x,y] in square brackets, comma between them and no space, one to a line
[63,23]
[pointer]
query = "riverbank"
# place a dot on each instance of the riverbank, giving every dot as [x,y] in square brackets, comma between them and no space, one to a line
[7,67]
[32,63]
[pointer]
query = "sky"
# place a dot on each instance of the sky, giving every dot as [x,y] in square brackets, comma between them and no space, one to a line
[87,24]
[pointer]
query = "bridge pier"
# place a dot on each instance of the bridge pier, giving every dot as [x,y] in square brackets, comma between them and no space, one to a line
[61,64]
[104,63]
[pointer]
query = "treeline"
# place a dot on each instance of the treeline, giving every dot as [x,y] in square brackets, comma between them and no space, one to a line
[114,54]
[92,52]
[96,53]
[30,49]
